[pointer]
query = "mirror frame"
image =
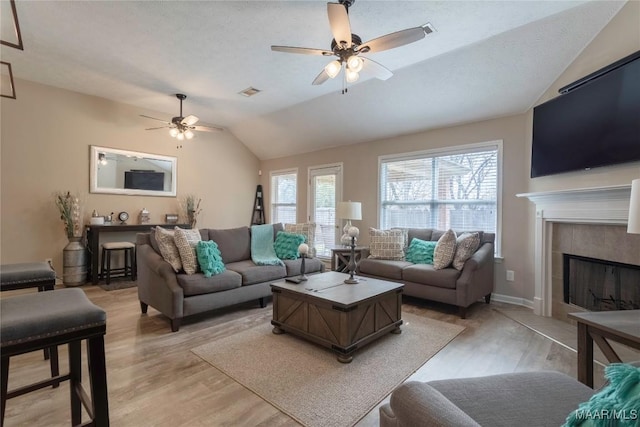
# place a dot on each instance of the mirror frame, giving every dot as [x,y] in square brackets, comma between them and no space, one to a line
[93,173]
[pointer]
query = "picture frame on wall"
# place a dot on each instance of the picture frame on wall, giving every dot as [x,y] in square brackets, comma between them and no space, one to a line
[7,88]
[10,34]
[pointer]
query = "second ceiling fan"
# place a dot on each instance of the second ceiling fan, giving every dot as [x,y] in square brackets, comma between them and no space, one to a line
[348,47]
[181,127]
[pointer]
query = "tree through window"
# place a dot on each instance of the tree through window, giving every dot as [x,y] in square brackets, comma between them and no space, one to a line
[457,190]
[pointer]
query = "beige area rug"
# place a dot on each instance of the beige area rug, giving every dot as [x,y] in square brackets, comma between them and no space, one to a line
[307,382]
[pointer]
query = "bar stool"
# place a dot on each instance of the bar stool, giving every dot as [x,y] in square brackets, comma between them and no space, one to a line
[32,275]
[66,316]
[129,269]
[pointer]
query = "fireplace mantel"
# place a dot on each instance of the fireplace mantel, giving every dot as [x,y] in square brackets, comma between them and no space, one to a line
[599,205]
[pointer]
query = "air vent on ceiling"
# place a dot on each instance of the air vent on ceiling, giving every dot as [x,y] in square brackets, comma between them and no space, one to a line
[428,28]
[250,91]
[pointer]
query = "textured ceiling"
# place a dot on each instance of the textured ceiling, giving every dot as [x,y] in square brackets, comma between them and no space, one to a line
[486,59]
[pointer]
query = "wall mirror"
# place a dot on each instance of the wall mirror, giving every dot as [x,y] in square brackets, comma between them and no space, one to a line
[133,173]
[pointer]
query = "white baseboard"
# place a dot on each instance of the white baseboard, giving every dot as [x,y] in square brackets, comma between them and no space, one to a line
[512,300]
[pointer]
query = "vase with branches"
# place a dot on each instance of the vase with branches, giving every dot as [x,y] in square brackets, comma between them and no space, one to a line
[70,213]
[192,208]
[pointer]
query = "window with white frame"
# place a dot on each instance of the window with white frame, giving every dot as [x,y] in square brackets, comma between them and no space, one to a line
[283,196]
[457,189]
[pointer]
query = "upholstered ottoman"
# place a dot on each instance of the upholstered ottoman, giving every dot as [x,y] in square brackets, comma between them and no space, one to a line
[27,275]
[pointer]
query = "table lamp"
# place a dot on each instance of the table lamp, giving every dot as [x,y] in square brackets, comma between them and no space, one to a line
[348,210]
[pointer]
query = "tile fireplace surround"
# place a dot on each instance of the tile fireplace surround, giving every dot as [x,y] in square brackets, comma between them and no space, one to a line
[589,222]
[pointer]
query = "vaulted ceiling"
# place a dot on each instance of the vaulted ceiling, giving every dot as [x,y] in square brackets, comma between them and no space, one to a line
[486,59]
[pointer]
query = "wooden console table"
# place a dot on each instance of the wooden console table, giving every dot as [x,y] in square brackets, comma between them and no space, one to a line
[622,326]
[340,256]
[93,241]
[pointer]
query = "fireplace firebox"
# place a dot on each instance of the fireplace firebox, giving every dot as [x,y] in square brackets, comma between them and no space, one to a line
[600,285]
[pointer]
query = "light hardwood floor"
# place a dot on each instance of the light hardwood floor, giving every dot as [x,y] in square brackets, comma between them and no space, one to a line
[155,380]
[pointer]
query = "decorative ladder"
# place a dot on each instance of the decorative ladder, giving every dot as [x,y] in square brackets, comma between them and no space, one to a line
[258,208]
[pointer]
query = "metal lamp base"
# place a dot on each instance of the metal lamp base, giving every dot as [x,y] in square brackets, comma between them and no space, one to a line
[352,264]
[302,276]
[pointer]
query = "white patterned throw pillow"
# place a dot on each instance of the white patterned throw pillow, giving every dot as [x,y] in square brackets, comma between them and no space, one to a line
[386,244]
[308,230]
[445,250]
[168,248]
[186,241]
[466,245]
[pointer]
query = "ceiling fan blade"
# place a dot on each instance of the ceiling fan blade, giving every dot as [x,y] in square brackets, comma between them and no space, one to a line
[153,118]
[208,128]
[321,78]
[378,70]
[161,127]
[189,120]
[389,41]
[339,22]
[301,50]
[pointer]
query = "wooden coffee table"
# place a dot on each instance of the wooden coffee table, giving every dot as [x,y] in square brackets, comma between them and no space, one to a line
[338,316]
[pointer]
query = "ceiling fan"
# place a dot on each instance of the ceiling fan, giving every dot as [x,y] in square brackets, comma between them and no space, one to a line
[182,127]
[348,47]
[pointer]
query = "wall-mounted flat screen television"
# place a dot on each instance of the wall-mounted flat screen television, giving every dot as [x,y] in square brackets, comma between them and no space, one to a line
[144,180]
[595,124]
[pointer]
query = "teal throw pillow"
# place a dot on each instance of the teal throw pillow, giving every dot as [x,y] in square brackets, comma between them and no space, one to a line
[286,245]
[616,404]
[420,251]
[209,258]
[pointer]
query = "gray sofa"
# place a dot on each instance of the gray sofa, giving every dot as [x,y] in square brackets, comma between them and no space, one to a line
[178,295]
[450,286]
[524,398]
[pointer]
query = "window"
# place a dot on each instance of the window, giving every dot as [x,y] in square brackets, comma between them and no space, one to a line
[444,189]
[283,196]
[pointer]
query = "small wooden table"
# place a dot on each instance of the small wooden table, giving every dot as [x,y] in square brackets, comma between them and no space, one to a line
[622,326]
[340,256]
[335,315]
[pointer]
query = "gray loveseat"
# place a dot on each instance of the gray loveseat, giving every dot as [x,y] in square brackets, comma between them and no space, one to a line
[450,286]
[178,295]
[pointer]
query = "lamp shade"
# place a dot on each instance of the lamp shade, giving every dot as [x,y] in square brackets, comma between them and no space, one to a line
[349,210]
[634,208]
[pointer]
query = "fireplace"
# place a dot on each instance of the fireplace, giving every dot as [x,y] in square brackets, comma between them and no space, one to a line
[600,285]
[603,211]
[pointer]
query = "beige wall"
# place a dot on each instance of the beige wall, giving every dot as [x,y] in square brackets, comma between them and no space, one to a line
[360,176]
[45,138]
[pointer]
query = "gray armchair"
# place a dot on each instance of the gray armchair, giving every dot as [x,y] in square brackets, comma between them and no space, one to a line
[525,398]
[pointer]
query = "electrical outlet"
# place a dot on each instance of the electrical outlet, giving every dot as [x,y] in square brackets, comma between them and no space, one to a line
[510,275]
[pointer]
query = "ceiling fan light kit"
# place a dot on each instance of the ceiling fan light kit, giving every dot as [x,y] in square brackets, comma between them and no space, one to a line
[348,46]
[333,68]
[351,75]
[355,64]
